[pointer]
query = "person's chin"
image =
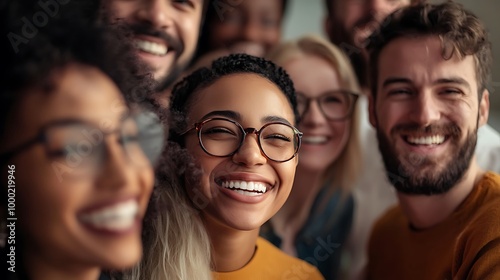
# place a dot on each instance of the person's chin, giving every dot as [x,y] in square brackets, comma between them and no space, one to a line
[315,162]
[161,75]
[167,78]
[127,258]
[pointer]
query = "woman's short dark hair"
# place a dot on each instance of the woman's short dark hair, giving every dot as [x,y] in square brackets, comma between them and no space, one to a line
[224,66]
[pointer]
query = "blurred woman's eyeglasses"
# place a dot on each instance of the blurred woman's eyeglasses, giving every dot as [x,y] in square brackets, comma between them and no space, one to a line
[79,148]
[335,105]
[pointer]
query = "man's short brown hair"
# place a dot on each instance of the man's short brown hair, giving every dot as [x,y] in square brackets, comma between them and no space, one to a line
[460,31]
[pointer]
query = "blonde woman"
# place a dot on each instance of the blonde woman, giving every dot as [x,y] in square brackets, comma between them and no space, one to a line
[315,221]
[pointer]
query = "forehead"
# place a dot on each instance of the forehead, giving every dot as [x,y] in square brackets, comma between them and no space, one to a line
[245,7]
[421,60]
[79,92]
[323,78]
[262,5]
[250,95]
[365,2]
[127,8]
[333,5]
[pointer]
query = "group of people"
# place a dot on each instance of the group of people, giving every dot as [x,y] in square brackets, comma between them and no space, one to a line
[153,139]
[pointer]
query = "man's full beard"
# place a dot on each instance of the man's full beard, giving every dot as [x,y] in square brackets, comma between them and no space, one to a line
[402,175]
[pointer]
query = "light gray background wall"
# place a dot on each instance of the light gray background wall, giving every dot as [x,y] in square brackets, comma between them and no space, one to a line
[306,16]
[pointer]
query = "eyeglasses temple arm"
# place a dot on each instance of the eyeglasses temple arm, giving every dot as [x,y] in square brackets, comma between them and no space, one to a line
[6,156]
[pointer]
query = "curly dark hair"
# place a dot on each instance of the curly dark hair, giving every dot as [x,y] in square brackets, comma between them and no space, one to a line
[461,32]
[232,64]
[71,36]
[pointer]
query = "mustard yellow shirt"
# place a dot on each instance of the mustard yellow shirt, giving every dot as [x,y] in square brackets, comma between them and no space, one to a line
[269,263]
[466,245]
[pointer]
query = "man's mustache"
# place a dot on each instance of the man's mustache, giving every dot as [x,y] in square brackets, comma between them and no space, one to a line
[145,29]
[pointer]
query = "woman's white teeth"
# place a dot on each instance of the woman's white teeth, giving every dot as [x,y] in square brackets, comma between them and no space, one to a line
[151,47]
[245,188]
[248,193]
[314,139]
[428,140]
[117,217]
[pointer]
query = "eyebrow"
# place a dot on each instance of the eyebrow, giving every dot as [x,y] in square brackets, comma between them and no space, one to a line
[450,80]
[269,119]
[237,116]
[395,80]
[453,80]
[67,121]
[225,113]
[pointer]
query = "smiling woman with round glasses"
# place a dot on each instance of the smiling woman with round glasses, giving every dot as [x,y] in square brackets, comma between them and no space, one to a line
[235,121]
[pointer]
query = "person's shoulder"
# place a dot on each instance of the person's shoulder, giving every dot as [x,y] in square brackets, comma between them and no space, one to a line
[477,251]
[488,190]
[492,179]
[391,219]
[483,226]
[285,265]
[390,223]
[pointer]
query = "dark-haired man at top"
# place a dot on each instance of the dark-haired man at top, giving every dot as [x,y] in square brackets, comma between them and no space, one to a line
[165,33]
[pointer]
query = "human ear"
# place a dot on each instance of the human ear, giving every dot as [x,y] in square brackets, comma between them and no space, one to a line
[484,108]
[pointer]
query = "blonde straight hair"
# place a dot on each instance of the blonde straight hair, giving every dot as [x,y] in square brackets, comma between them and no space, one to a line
[176,244]
[343,172]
